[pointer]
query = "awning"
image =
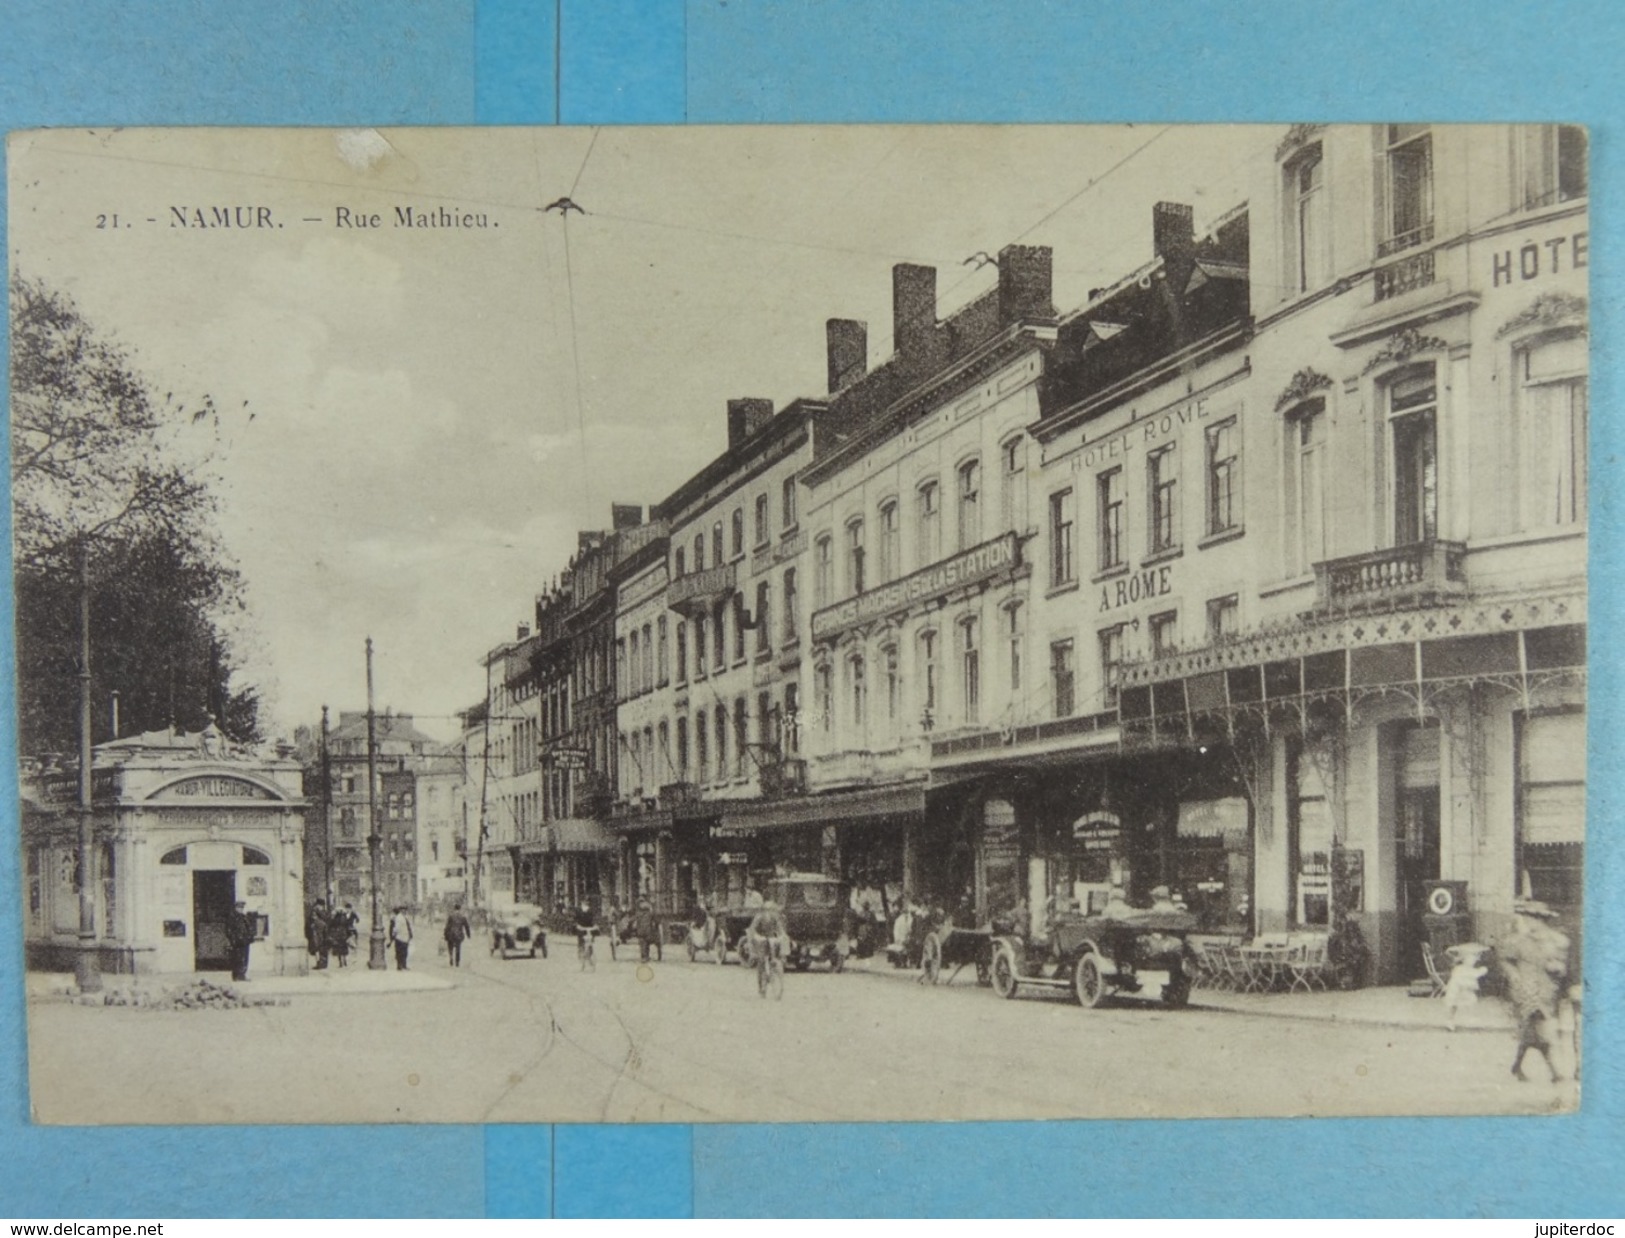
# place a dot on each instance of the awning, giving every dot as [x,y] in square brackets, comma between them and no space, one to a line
[831,808]
[579,834]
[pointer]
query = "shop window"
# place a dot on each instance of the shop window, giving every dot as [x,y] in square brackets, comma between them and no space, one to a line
[1308,232]
[929,502]
[1162,490]
[854,558]
[1062,564]
[970,504]
[890,537]
[1309,840]
[1551,807]
[1413,417]
[762,531]
[1223,478]
[1109,515]
[1013,483]
[1549,164]
[1111,664]
[1062,678]
[1408,188]
[1552,408]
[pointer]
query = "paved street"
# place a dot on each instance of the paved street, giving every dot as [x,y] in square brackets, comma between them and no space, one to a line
[538,1040]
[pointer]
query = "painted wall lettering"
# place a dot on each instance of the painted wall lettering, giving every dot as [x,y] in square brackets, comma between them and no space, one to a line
[1533,259]
[1141,586]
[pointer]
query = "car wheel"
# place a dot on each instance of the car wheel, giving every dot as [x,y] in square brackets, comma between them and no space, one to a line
[1004,971]
[1088,982]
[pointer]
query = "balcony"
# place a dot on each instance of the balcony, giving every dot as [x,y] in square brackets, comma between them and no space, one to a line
[1416,575]
[1406,275]
[699,593]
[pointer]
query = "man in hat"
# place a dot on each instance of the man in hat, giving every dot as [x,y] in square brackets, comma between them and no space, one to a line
[241,930]
[316,929]
[647,927]
[1534,954]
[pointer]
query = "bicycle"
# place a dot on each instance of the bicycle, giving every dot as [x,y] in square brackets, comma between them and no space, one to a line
[770,967]
[584,948]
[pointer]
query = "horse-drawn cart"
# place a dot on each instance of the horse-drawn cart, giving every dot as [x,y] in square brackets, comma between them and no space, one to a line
[947,947]
[1097,957]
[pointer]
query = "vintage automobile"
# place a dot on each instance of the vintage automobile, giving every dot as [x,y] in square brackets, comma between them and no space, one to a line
[518,931]
[950,949]
[816,913]
[1100,956]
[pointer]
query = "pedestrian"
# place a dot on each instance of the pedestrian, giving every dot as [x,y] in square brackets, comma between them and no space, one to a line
[341,932]
[316,932]
[1534,955]
[646,927]
[241,929]
[458,930]
[400,933]
[1466,970]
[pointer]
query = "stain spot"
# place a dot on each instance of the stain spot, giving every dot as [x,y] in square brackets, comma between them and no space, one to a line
[413,1079]
[514,1080]
[645,973]
[1361,1070]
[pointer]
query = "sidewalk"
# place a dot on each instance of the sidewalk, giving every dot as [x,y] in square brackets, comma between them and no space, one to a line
[1374,1007]
[334,981]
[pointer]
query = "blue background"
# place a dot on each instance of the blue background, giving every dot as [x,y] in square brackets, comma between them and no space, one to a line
[454,62]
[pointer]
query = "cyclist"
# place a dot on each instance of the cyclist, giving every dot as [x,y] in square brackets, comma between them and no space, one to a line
[769,940]
[585,929]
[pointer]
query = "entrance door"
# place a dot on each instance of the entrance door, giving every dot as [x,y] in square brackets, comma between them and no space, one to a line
[213,895]
[1416,859]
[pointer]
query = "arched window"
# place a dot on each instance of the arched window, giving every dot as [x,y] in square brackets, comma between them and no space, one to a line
[1013,483]
[854,558]
[928,537]
[890,538]
[970,504]
[858,690]
[894,681]
[824,572]
[738,525]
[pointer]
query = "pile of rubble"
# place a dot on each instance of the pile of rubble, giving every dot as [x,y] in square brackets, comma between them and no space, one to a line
[199,995]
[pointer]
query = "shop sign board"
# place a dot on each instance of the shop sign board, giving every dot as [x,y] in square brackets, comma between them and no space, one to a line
[968,568]
[1098,831]
[565,758]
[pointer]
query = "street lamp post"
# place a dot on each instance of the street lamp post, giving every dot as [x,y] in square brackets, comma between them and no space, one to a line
[375,842]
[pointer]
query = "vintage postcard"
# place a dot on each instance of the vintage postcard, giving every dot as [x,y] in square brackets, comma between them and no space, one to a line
[795,624]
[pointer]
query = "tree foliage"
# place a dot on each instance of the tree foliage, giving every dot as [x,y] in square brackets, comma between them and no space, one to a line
[98,485]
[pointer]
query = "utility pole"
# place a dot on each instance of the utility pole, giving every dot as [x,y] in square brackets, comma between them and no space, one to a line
[485,778]
[375,841]
[87,968]
[327,811]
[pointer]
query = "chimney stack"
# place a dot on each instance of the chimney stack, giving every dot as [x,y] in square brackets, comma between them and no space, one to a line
[1173,230]
[745,417]
[524,631]
[848,345]
[1026,286]
[914,306]
[625,516]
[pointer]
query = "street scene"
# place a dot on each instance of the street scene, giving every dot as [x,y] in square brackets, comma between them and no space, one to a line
[1128,657]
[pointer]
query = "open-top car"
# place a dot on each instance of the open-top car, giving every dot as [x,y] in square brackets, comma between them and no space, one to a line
[518,931]
[1098,956]
[816,913]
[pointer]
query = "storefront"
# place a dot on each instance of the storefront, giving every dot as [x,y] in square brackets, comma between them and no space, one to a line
[186,826]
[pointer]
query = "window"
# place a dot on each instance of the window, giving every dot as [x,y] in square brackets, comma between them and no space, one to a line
[1409,187]
[699,552]
[1551,806]
[788,503]
[824,566]
[1549,163]
[894,684]
[792,719]
[1307,232]
[970,504]
[1164,633]
[1552,398]
[648,657]
[699,646]
[702,764]
[1222,619]
[928,675]
[854,558]
[930,543]
[1109,508]
[738,525]
[1062,564]
[741,737]
[719,637]
[661,664]
[889,539]
[682,652]
[739,626]
[664,750]
[1412,409]
[1223,478]
[1111,663]
[717,556]
[824,686]
[634,665]
[762,531]
[763,624]
[682,750]
[1013,640]
[859,690]
[1306,487]
[789,604]
[722,742]
[677,562]
[1162,488]
[970,658]
[765,728]
[1062,678]
[1013,487]
[620,666]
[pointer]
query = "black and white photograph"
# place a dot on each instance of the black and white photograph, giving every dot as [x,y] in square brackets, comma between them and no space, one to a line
[799,624]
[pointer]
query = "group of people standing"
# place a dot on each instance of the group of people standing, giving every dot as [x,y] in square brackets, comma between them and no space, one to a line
[330,932]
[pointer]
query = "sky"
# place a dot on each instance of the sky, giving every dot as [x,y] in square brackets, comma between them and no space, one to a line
[415,422]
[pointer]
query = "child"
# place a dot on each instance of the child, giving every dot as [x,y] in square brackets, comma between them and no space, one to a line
[1466,970]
